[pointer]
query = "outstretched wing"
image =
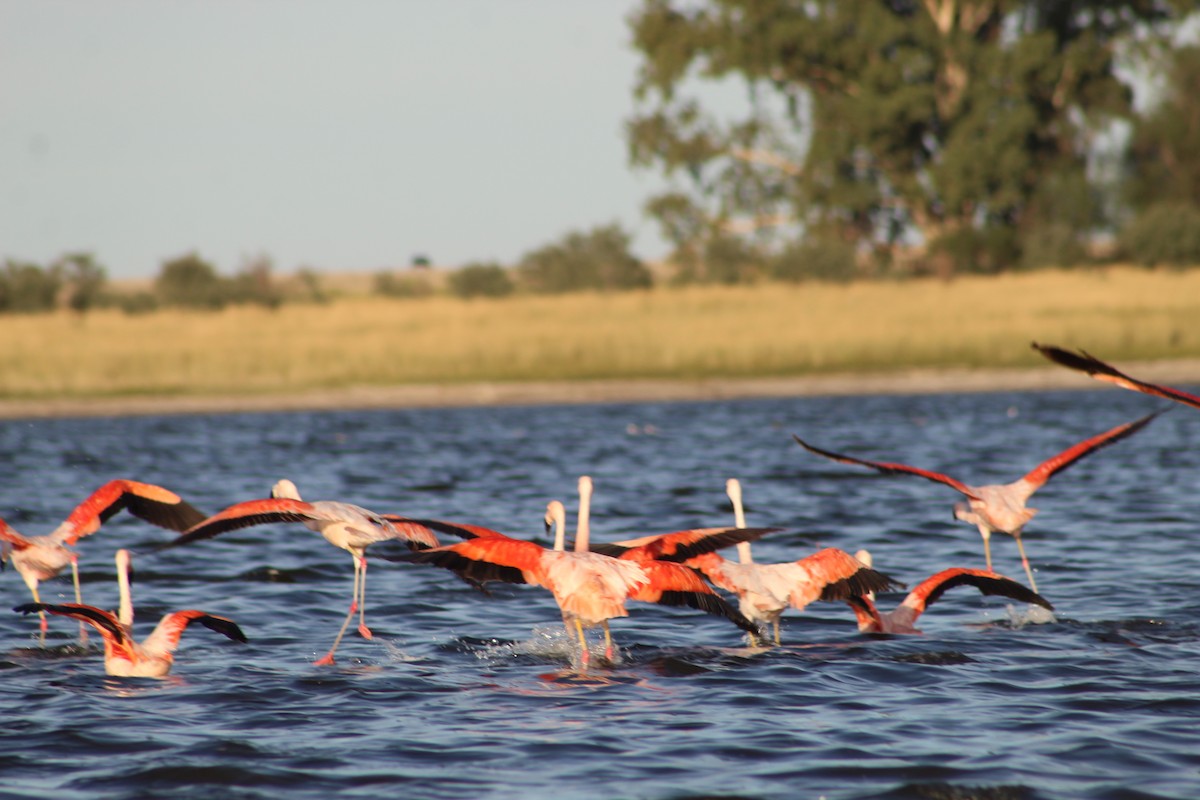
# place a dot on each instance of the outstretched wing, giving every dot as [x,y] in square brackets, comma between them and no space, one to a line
[165,637]
[891,468]
[484,559]
[460,530]
[680,545]
[676,585]
[103,621]
[1052,466]
[245,515]
[1085,362]
[146,501]
[929,590]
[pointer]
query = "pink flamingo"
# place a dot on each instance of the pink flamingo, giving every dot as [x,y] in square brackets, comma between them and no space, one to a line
[1000,508]
[903,618]
[123,656]
[764,591]
[350,527]
[1085,362]
[590,588]
[39,558]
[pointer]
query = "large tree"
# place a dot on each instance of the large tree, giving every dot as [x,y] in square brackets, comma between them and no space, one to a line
[874,120]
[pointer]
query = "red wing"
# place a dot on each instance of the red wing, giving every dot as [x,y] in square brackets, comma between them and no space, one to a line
[7,534]
[930,589]
[144,500]
[677,585]
[890,468]
[485,559]
[842,576]
[1086,362]
[245,515]
[102,621]
[166,635]
[682,545]
[461,530]
[1042,472]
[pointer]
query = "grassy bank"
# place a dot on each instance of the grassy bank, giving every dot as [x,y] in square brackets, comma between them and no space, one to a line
[695,332]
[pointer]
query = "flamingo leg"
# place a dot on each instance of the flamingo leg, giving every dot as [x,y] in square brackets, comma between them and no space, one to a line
[1025,561]
[363,630]
[987,548]
[778,641]
[327,659]
[608,643]
[583,654]
[45,626]
[83,637]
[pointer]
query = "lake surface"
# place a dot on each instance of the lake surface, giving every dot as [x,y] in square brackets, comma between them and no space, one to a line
[467,695]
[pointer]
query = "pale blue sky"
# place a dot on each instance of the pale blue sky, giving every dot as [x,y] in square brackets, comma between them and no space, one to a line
[330,135]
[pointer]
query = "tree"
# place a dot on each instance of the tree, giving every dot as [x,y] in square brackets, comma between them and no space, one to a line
[84,278]
[878,119]
[1164,154]
[190,282]
[598,259]
[27,288]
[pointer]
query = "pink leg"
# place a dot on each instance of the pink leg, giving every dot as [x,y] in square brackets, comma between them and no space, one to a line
[83,637]
[363,630]
[327,659]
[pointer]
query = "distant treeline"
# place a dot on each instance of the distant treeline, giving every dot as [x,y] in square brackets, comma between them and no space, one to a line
[596,260]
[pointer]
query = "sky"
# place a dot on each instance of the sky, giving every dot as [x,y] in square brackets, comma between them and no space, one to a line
[323,135]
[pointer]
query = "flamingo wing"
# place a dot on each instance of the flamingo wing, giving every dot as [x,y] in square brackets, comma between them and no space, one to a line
[461,530]
[1086,362]
[682,545]
[245,515]
[11,538]
[485,559]
[676,585]
[828,574]
[103,621]
[146,501]
[929,590]
[869,619]
[165,637]
[891,468]
[1052,466]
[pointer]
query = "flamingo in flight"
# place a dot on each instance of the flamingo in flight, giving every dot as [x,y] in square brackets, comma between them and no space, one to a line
[1000,508]
[590,588]
[350,527]
[123,656]
[764,591]
[903,618]
[39,558]
[1086,362]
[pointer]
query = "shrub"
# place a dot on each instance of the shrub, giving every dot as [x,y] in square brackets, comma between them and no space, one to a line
[190,282]
[255,284]
[1052,245]
[84,279]
[481,280]
[1166,233]
[389,284]
[815,258]
[598,259]
[984,251]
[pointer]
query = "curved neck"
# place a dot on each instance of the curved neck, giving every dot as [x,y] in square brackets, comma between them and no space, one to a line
[125,609]
[558,516]
[582,532]
[733,488]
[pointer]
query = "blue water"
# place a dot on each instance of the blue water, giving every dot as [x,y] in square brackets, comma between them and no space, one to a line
[465,695]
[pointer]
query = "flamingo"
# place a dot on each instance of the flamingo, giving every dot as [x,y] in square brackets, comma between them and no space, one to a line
[39,558]
[123,657]
[590,588]
[1000,508]
[1086,362]
[764,591]
[903,618]
[350,527]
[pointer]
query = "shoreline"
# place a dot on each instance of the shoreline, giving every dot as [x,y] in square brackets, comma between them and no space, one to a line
[911,381]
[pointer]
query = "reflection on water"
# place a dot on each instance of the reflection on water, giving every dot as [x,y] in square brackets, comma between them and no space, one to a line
[465,694]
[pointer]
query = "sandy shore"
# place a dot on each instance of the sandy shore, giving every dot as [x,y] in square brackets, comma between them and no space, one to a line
[916,381]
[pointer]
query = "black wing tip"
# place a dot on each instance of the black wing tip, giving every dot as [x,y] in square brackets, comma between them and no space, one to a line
[864,581]
[708,603]
[225,627]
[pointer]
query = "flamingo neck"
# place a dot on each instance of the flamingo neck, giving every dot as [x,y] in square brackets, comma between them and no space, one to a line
[582,528]
[125,609]
[733,488]
[558,514]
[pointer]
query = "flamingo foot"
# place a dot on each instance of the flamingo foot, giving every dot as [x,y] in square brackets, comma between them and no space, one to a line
[324,661]
[365,632]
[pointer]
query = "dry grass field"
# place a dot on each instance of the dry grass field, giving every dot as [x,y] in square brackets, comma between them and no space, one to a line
[700,332]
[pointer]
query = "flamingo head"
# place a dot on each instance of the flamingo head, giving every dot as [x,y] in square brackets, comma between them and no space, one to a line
[964,512]
[284,489]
